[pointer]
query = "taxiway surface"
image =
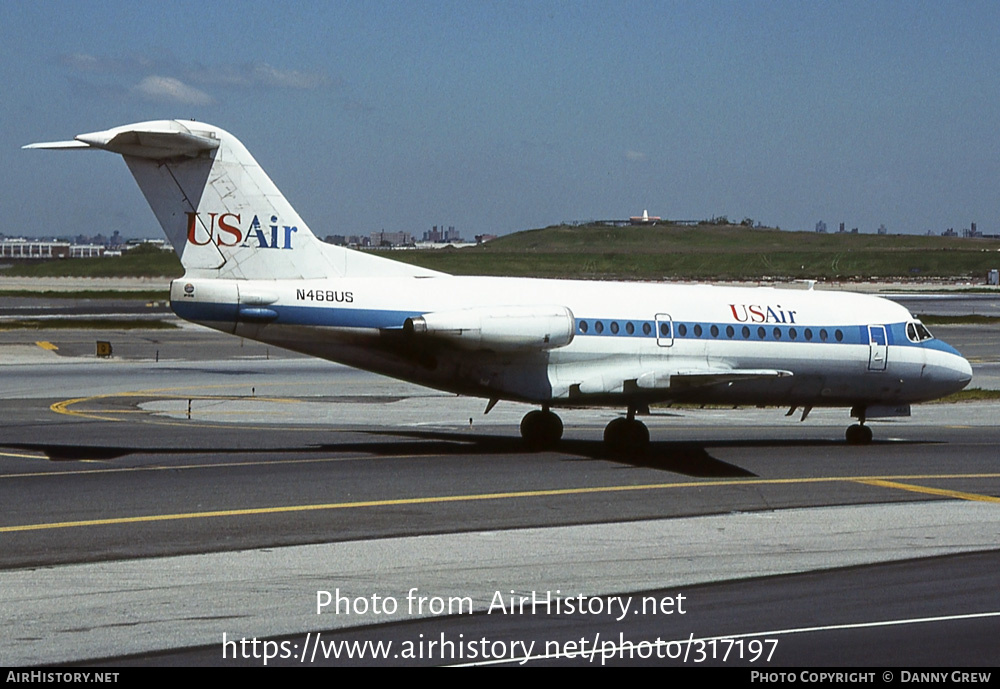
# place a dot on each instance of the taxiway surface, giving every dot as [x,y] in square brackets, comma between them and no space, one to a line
[150,507]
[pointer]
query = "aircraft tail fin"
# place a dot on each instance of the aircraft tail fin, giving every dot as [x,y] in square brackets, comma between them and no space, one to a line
[221,212]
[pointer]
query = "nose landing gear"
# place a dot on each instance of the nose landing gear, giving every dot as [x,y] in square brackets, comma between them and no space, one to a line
[859,433]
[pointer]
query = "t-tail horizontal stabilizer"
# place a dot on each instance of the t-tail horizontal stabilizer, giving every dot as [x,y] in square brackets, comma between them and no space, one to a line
[221,212]
[148,143]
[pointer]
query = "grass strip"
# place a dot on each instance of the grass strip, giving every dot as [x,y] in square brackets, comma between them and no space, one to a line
[87,324]
[968,319]
[119,294]
[970,395]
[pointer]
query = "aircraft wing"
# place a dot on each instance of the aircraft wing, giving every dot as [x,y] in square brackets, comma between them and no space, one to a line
[696,378]
[615,379]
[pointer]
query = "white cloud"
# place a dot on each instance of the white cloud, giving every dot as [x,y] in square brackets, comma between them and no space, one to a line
[82,62]
[102,64]
[170,90]
[266,75]
[245,75]
[635,156]
[258,74]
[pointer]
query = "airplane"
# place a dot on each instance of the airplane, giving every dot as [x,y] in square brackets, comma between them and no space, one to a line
[254,269]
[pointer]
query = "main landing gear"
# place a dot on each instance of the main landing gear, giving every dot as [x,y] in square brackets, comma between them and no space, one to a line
[626,436]
[859,433]
[542,430]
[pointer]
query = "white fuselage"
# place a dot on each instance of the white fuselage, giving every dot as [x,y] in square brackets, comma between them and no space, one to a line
[628,342]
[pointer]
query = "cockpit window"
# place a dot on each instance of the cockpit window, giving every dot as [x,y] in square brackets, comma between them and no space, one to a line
[917,332]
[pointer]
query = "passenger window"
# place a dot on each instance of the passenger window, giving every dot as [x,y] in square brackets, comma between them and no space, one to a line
[614,327]
[629,328]
[792,334]
[599,327]
[746,332]
[839,335]
[715,331]
[682,330]
[646,329]
[809,334]
[761,333]
[583,327]
[777,333]
[697,330]
[823,335]
[730,332]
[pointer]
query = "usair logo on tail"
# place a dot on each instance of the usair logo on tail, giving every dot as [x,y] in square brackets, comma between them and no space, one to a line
[224,229]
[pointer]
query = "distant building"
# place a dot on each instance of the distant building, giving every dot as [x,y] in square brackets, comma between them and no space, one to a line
[33,249]
[160,244]
[440,235]
[882,230]
[347,240]
[821,227]
[644,219]
[384,238]
[87,251]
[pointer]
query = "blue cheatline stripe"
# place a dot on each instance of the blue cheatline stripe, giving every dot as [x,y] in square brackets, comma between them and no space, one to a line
[341,317]
[300,315]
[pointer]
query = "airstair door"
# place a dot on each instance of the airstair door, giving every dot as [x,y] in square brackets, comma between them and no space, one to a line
[878,348]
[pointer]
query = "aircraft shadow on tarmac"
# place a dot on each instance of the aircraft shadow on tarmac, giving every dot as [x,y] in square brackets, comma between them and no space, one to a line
[680,457]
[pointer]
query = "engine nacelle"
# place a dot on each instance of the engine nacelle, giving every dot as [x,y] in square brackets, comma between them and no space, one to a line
[498,328]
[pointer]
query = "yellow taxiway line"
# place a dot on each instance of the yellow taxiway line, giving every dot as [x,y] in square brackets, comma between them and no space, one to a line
[958,495]
[886,482]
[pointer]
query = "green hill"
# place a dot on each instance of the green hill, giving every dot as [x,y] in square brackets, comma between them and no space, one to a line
[714,252]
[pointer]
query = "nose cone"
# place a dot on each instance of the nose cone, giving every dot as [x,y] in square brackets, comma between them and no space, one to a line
[947,372]
[963,372]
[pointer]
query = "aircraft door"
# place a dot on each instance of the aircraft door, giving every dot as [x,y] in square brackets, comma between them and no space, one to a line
[878,350]
[664,330]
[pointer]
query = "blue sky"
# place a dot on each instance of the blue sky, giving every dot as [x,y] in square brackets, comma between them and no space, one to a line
[499,116]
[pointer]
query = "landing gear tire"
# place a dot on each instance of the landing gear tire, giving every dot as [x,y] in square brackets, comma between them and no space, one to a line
[626,436]
[541,429]
[858,435]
